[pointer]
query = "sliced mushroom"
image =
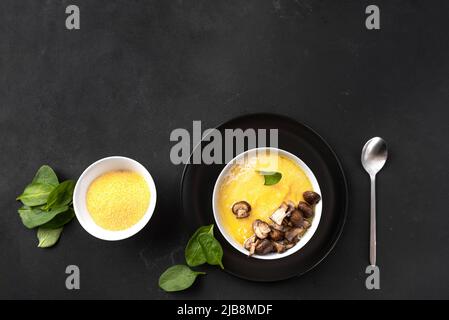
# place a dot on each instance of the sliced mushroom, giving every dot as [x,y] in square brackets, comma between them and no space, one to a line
[261,229]
[241,209]
[278,227]
[291,207]
[253,247]
[276,235]
[292,234]
[296,218]
[264,246]
[280,213]
[279,247]
[311,197]
[250,244]
[307,210]
[306,224]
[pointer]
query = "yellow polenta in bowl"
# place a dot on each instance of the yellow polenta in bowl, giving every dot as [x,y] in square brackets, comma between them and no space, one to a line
[243,180]
[114,198]
[118,199]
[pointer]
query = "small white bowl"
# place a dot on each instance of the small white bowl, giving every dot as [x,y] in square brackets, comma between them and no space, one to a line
[90,174]
[318,208]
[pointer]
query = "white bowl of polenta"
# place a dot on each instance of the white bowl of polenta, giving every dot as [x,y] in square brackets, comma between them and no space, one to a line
[114,198]
[258,188]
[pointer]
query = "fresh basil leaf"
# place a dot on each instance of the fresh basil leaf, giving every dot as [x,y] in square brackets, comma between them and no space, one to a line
[177,278]
[34,217]
[61,195]
[193,252]
[46,175]
[60,220]
[35,194]
[271,178]
[212,249]
[48,237]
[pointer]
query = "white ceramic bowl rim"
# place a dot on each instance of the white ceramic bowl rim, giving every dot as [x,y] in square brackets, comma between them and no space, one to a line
[95,170]
[318,208]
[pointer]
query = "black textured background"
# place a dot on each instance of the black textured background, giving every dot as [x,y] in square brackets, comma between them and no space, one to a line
[138,69]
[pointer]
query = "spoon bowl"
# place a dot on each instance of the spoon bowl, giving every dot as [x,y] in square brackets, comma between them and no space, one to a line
[374,155]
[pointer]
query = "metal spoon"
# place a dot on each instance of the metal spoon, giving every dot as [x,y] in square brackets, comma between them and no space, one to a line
[374,156]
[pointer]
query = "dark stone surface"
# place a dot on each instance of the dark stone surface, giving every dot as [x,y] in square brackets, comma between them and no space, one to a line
[138,69]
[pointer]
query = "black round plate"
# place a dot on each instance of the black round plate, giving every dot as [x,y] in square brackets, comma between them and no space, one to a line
[198,181]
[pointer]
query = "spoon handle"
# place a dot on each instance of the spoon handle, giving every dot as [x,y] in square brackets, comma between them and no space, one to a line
[372,251]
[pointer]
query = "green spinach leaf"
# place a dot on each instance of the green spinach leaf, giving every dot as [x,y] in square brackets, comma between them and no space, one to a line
[34,217]
[48,237]
[60,220]
[271,178]
[46,175]
[193,252]
[61,195]
[35,194]
[211,249]
[47,205]
[177,278]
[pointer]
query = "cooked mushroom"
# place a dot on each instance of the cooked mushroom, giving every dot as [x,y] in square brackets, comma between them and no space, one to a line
[311,197]
[276,235]
[261,229]
[241,209]
[288,225]
[280,213]
[291,206]
[296,218]
[250,244]
[307,210]
[279,247]
[264,246]
[306,224]
[292,234]
[275,226]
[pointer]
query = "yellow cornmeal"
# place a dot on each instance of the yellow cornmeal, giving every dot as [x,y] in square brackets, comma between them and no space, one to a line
[117,200]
